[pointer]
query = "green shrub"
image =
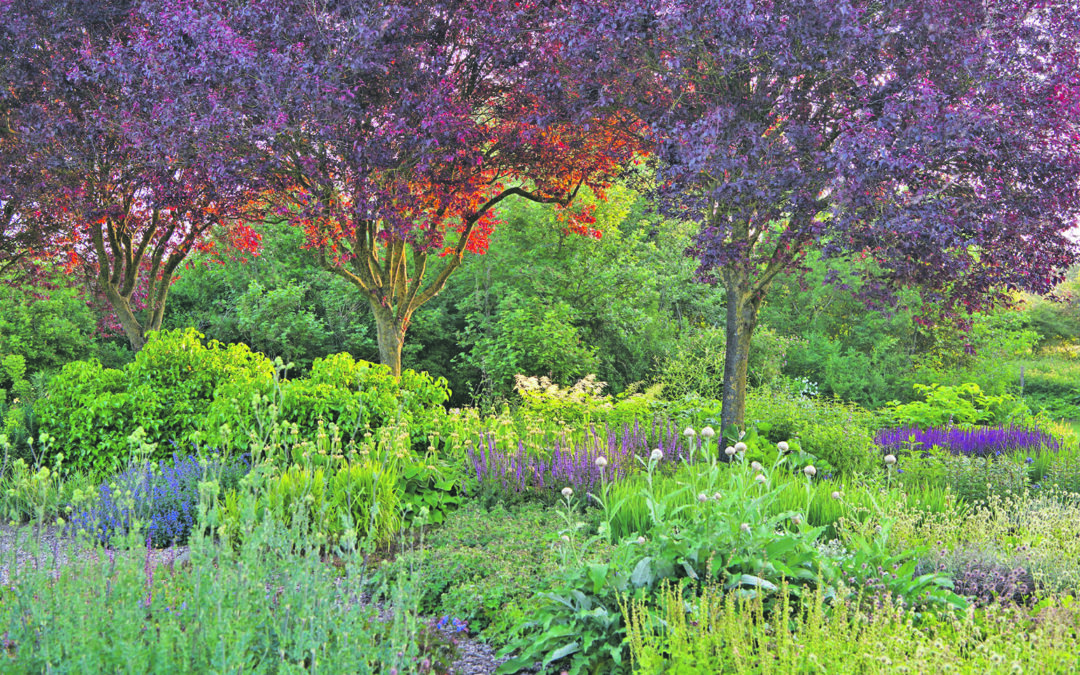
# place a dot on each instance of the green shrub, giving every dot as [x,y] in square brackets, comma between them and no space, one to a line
[179,390]
[695,364]
[839,433]
[89,415]
[962,404]
[174,378]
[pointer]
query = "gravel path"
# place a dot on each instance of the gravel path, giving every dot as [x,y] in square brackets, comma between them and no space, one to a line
[25,547]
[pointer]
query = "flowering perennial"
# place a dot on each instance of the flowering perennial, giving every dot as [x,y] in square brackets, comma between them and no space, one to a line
[976,442]
[577,464]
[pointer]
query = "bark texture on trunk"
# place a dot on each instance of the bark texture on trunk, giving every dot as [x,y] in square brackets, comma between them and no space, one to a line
[391,337]
[743,304]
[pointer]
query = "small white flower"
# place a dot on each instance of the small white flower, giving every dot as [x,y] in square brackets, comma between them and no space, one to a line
[568,492]
[745,527]
[708,432]
[890,459]
[836,494]
[717,496]
[601,462]
[565,539]
[756,466]
[729,451]
[740,447]
[761,478]
[782,446]
[810,470]
[641,540]
[656,455]
[702,498]
[796,520]
[689,432]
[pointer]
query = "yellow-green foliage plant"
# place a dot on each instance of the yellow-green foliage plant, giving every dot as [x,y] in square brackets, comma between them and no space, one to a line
[726,633]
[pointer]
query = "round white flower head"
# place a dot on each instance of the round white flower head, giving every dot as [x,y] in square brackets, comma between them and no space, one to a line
[656,455]
[740,447]
[565,539]
[745,527]
[702,498]
[796,520]
[689,432]
[756,466]
[717,496]
[836,494]
[810,470]
[601,462]
[568,492]
[641,540]
[729,451]
[890,459]
[708,432]
[782,446]
[761,478]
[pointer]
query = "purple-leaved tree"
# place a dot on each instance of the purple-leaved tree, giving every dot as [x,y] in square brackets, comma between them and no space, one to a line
[939,138]
[389,131]
[89,176]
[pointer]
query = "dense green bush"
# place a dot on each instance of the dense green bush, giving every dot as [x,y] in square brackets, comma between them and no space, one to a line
[840,433]
[962,404]
[88,412]
[179,389]
[695,364]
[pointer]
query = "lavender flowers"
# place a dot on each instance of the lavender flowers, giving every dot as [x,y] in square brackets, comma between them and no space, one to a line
[976,442]
[573,463]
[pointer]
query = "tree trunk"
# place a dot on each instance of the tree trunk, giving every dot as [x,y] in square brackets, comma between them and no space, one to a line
[128,321]
[742,315]
[391,336]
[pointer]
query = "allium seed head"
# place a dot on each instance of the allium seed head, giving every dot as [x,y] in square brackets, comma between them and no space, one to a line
[708,432]
[702,498]
[729,451]
[836,494]
[745,527]
[656,455]
[890,459]
[601,462]
[782,446]
[810,470]
[740,447]
[689,432]
[568,492]
[756,466]
[641,540]
[761,478]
